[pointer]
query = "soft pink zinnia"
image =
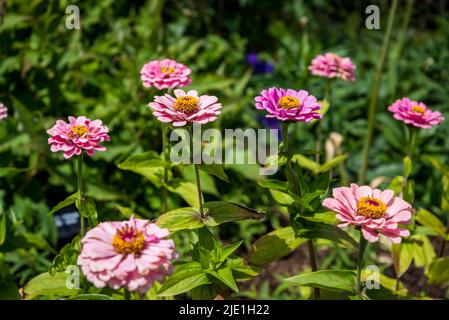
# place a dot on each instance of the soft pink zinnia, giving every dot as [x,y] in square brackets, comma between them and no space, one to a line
[163,74]
[78,135]
[185,108]
[130,254]
[374,211]
[288,104]
[331,65]
[415,113]
[3,111]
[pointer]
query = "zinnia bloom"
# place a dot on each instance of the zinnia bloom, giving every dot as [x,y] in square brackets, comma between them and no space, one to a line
[163,74]
[373,210]
[131,254]
[288,104]
[331,65]
[185,108]
[415,113]
[78,135]
[3,111]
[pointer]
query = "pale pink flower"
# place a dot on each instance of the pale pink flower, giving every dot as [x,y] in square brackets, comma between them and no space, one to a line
[129,254]
[185,108]
[78,135]
[415,113]
[331,65]
[288,104]
[166,73]
[3,111]
[374,211]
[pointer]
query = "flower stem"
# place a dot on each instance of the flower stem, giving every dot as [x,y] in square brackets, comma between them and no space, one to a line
[198,186]
[412,141]
[165,158]
[313,266]
[375,92]
[81,190]
[362,246]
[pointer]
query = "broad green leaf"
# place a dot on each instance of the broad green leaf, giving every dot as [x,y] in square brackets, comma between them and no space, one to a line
[207,181]
[48,285]
[219,212]
[384,281]
[180,219]
[335,280]
[332,163]
[241,269]
[438,271]
[90,296]
[148,164]
[282,198]
[185,277]
[67,256]
[225,276]
[226,251]
[273,184]
[428,219]
[310,230]
[88,209]
[65,203]
[186,189]
[423,251]
[402,254]
[273,246]
[326,217]
[306,163]
[215,170]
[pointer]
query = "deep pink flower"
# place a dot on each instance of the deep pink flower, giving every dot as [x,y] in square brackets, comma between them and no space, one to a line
[185,108]
[415,113]
[78,135]
[288,105]
[130,254]
[373,210]
[163,74]
[331,65]
[3,111]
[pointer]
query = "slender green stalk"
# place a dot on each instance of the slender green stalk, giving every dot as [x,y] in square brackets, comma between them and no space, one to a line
[81,190]
[362,246]
[412,141]
[375,92]
[296,188]
[198,186]
[165,158]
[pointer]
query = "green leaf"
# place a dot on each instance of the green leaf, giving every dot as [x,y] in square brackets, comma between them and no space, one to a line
[438,271]
[335,280]
[148,164]
[186,189]
[424,253]
[273,184]
[311,230]
[407,166]
[402,254]
[48,285]
[282,198]
[186,277]
[219,212]
[180,219]
[409,191]
[241,269]
[215,170]
[225,276]
[88,209]
[38,241]
[67,256]
[226,251]
[428,219]
[444,169]
[90,296]
[64,203]
[273,246]
[332,163]
[2,226]
[306,163]
[396,184]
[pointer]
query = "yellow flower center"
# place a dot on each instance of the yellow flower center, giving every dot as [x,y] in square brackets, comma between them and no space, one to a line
[371,207]
[289,102]
[168,70]
[418,109]
[186,104]
[79,130]
[128,240]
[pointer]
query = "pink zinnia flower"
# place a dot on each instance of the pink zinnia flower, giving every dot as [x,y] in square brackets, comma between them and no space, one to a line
[288,105]
[331,65]
[164,74]
[131,254]
[78,135]
[415,113]
[373,210]
[185,108]
[3,111]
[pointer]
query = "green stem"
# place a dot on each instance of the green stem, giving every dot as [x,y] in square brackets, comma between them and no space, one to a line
[362,246]
[313,266]
[411,141]
[198,186]
[165,158]
[375,92]
[81,190]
